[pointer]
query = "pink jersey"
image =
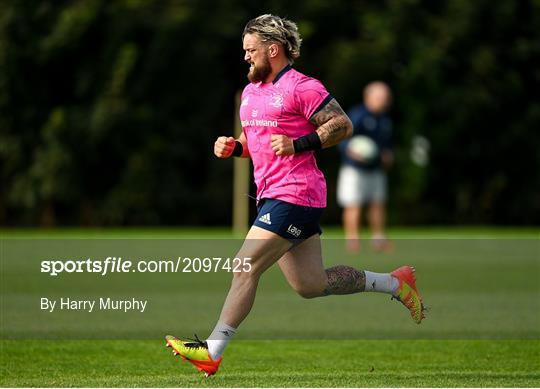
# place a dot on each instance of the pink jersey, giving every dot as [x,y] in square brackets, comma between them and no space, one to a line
[284,107]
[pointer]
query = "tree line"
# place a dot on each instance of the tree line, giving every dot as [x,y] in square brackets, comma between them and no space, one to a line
[109,109]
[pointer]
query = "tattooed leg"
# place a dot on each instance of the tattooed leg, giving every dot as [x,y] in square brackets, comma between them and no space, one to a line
[343,279]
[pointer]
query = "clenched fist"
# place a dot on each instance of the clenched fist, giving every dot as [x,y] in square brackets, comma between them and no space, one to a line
[224,146]
[282,145]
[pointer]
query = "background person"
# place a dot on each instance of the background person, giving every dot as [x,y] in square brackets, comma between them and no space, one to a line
[361,181]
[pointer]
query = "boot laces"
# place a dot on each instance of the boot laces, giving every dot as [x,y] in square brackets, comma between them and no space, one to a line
[196,343]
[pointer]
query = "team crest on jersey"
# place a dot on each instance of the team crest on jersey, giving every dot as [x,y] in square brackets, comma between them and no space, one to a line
[245,102]
[277,101]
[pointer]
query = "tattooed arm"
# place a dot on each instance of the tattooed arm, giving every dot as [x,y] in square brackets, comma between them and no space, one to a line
[333,124]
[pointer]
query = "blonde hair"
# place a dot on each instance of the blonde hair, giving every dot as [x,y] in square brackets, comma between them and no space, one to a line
[271,28]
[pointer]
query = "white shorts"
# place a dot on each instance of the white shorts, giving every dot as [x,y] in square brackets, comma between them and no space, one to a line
[357,186]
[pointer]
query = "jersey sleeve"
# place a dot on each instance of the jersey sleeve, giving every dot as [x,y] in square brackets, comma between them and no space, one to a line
[356,114]
[387,128]
[311,96]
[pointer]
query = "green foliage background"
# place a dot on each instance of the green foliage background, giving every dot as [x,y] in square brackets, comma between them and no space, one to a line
[109,109]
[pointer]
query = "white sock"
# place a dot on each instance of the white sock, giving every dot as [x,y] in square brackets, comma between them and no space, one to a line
[219,338]
[380,282]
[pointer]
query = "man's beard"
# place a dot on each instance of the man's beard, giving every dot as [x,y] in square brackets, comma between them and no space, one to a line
[261,72]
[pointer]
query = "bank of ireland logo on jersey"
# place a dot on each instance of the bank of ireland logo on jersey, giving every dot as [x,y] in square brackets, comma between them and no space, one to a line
[254,113]
[276,101]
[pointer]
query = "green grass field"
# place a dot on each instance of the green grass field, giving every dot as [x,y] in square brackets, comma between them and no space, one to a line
[483,328]
[343,363]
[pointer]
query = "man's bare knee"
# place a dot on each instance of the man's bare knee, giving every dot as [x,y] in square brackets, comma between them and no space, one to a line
[308,293]
[245,276]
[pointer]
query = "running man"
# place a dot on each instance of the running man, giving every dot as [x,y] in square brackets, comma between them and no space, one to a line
[286,116]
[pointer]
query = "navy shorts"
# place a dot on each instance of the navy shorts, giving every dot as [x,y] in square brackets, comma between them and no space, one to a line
[290,221]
